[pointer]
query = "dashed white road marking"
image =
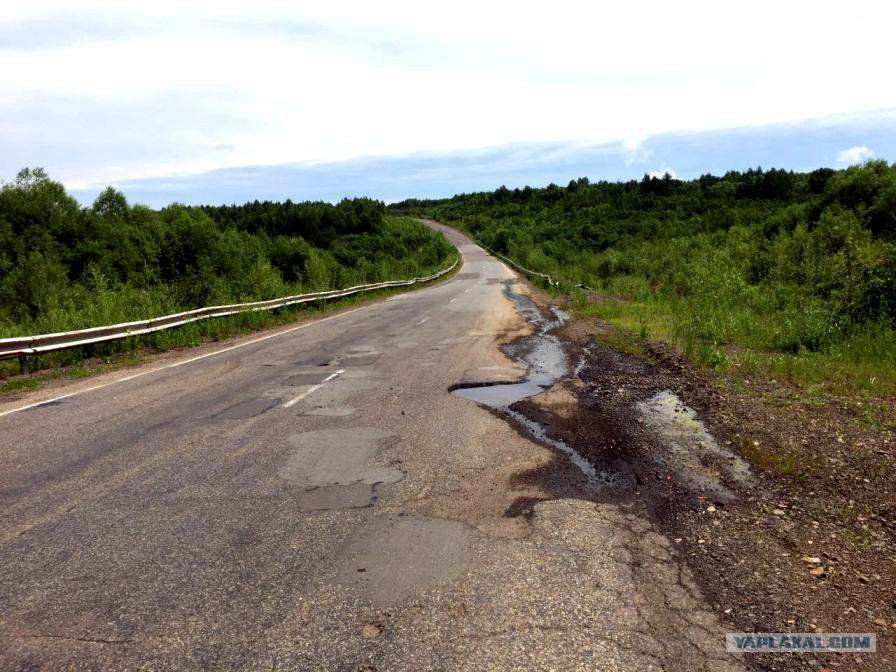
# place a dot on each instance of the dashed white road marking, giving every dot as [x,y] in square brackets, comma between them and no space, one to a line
[312,389]
[422,321]
[181,363]
[332,376]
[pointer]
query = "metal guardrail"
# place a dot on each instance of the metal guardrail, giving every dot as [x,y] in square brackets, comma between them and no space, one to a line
[23,346]
[551,281]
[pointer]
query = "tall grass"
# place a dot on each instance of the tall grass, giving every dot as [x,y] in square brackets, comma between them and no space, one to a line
[745,340]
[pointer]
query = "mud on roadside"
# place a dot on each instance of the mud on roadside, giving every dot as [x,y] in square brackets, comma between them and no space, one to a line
[773,550]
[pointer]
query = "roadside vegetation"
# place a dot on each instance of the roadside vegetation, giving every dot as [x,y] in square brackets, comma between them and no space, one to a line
[787,275]
[65,267]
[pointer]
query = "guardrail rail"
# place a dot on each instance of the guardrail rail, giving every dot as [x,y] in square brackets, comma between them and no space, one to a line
[550,280]
[22,347]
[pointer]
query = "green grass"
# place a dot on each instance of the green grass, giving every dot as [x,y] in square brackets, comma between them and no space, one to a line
[18,385]
[863,364]
[745,334]
[762,457]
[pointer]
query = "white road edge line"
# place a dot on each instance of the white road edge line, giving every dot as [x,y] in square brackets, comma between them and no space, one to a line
[332,376]
[182,362]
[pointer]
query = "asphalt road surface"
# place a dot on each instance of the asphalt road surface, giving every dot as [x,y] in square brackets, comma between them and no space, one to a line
[314,498]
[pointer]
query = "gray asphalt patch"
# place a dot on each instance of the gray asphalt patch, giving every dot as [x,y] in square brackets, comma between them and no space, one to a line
[328,498]
[337,457]
[304,379]
[248,409]
[360,360]
[395,558]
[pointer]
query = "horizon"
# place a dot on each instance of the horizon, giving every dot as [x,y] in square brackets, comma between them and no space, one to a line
[822,143]
[174,102]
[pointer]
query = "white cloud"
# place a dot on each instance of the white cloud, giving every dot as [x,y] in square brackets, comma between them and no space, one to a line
[633,149]
[854,155]
[327,80]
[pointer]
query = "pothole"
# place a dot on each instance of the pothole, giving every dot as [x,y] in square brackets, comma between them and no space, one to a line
[300,379]
[541,353]
[330,411]
[331,497]
[248,408]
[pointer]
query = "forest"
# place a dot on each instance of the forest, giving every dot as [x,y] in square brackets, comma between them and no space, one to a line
[63,266]
[793,273]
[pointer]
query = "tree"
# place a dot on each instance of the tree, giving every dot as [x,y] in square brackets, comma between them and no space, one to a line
[111,203]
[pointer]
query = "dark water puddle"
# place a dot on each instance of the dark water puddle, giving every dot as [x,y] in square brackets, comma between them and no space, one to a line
[546,364]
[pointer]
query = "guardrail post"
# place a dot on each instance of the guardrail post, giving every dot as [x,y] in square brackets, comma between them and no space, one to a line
[23,364]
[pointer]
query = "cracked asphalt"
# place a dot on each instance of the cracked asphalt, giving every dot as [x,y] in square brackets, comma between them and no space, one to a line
[318,500]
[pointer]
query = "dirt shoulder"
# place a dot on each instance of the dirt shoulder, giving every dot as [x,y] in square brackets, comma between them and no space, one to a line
[784,510]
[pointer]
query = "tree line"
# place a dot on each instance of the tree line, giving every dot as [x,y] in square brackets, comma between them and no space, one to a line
[779,260]
[63,266]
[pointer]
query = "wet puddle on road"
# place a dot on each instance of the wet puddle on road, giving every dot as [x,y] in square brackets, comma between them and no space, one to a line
[546,364]
[541,352]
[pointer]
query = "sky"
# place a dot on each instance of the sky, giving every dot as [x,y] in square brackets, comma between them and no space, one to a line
[229,101]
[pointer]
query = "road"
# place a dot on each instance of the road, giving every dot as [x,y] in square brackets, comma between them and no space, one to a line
[314,498]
